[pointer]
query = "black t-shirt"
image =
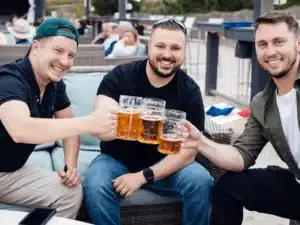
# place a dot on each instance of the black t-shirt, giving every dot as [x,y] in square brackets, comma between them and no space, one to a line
[182,93]
[17,82]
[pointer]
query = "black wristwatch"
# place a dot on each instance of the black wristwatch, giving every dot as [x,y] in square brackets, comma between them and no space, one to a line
[149,175]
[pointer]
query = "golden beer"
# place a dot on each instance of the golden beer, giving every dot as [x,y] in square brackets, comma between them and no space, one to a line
[128,125]
[150,129]
[169,144]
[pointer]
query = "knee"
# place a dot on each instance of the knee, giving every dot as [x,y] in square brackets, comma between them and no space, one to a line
[68,200]
[94,186]
[227,187]
[76,195]
[72,196]
[199,181]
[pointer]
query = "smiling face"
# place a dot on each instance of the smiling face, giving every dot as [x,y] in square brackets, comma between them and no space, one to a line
[166,51]
[129,38]
[277,48]
[53,57]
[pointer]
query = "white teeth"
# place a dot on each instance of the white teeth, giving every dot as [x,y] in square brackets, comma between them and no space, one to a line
[166,62]
[274,61]
[58,69]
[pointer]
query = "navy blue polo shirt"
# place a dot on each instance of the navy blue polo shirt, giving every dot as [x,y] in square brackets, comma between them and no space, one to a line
[182,93]
[18,82]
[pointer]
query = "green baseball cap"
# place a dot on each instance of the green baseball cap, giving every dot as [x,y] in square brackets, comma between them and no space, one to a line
[57,27]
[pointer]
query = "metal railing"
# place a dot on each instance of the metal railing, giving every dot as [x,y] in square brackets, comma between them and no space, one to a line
[245,73]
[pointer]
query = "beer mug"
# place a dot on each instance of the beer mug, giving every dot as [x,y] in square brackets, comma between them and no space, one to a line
[172,132]
[151,120]
[129,117]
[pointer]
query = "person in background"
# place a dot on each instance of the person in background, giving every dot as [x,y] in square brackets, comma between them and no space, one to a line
[121,31]
[127,45]
[141,48]
[81,26]
[3,40]
[106,30]
[14,18]
[22,32]
[113,35]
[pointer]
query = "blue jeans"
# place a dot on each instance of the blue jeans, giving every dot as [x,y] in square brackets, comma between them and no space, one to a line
[192,184]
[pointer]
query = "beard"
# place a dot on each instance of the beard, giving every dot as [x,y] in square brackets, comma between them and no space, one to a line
[158,72]
[285,71]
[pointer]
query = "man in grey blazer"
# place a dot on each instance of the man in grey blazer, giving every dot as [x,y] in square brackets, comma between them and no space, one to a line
[275,118]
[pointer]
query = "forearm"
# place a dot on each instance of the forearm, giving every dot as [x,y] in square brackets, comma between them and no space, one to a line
[39,131]
[105,136]
[223,156]
[172,163]
[71,150]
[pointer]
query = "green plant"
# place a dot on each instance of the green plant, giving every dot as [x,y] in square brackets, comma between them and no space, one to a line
[289,4]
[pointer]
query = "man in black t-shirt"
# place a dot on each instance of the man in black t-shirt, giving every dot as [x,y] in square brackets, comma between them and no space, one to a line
[126,166]
[31,94]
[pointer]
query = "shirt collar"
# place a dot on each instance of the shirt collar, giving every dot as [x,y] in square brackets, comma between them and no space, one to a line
[297,82]
[271,86]
[29,74]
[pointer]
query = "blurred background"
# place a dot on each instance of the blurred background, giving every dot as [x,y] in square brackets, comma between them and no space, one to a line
[138,8]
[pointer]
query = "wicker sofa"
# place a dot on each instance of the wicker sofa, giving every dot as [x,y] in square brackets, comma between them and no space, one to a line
[142,208]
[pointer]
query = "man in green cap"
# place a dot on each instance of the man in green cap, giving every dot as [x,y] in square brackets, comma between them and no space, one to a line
[32,93]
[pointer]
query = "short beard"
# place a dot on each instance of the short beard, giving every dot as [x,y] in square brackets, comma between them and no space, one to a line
[160,74]
[285,72]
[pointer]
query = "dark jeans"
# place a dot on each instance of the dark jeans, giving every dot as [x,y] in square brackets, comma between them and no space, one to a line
[272,190]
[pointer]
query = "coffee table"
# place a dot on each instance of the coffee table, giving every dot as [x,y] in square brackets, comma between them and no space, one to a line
[10,217]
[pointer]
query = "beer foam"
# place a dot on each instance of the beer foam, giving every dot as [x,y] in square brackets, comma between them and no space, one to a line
[171,137]
[151,118]
[129,111]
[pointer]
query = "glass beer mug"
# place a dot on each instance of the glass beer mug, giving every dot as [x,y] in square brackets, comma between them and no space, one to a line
[152,116]
[129,117]
[172,132]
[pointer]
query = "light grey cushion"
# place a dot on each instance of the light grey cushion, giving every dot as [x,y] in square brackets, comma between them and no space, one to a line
[41,158]
[142,51]
[82,89]
[145,197]
[84,159]
[44,146]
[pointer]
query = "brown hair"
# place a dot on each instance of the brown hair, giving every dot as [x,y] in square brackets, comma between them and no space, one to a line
[278,16]
[169,24]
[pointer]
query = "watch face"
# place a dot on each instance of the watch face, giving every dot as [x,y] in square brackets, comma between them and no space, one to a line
[149,175]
